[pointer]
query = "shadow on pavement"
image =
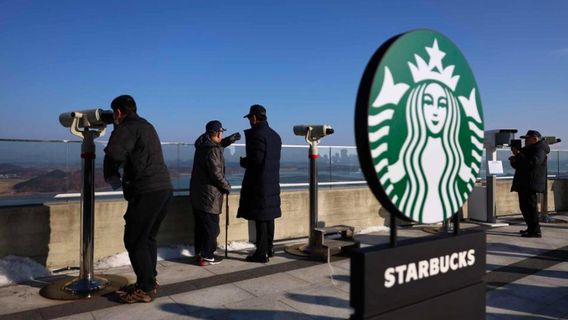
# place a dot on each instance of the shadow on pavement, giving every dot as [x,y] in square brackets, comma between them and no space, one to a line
[319,300]
[541,302]
[198,312]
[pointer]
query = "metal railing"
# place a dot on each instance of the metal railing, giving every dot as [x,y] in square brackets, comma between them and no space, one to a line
[33,171]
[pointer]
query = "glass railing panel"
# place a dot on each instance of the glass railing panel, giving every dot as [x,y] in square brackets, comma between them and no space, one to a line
[562,163]
[345,165]
[40,169]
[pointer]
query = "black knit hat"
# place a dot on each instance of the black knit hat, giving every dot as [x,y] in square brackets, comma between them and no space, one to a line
[124,103]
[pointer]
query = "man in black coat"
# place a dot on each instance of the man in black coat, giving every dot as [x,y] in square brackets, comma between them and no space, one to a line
[260,193]
[207,187]
[530,177]
[135,147]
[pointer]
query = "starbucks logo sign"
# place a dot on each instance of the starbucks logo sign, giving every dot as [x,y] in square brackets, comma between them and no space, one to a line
[419,126]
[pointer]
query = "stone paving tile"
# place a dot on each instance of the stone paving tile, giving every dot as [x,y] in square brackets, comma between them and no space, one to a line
[266,308]
[320,302]
[208,303]
[235,262]
[502,303]
[321,275]
[22,297]
[79,316]
[343,264]
[177,271]
[536,290]
[275,284]
[558,308]
[152,310]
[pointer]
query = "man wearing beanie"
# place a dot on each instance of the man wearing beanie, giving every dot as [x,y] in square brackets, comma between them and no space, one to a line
[135,147]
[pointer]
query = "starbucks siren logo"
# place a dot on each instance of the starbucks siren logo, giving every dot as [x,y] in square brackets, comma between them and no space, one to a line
[425,127]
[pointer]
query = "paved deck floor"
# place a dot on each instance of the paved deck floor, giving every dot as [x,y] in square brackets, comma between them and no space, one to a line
[527,278]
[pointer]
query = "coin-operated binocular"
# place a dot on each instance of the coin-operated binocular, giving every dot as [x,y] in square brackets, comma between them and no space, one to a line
[492,140]
[313,132]
[92,119]
[87,125]
[318,246]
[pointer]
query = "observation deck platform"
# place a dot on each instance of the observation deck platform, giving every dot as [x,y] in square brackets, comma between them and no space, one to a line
[527,278]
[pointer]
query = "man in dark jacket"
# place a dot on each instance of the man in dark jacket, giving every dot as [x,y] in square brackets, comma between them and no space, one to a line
[260,193]
[530,177]
[206,189]
[135,147]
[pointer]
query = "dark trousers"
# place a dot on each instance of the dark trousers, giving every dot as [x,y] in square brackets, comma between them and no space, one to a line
[264,237]
[528,204]
[206,233]
[143,218]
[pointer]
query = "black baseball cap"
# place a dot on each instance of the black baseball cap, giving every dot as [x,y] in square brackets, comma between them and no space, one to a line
[532,133]
[256,110]
[214,126]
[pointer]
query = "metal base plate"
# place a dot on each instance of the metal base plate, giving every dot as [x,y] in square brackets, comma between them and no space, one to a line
[490,224]
[66,289]
[332,248]
[298,250]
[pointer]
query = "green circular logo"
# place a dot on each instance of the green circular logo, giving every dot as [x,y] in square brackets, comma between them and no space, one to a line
[419,126]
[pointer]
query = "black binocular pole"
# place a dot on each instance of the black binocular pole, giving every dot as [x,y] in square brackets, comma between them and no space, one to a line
[313,155]
[87,282]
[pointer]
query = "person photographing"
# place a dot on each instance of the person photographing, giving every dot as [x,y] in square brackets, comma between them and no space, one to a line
[530,178]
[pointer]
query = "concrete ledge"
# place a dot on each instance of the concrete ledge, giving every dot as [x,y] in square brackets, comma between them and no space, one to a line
[49,233]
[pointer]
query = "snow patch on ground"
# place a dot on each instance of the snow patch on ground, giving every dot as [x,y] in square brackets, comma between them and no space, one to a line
[164,253]
[374,229]
[116,260]
[15,269]
[238,246]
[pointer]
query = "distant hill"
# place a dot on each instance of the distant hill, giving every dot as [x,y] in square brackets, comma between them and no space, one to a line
[15,171]
[57,181]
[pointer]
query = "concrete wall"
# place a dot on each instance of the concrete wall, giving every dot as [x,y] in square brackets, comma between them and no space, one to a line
[49,233]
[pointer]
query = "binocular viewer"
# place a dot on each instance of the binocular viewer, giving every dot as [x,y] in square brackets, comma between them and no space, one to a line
[313,131]
[91,118]
[518,144]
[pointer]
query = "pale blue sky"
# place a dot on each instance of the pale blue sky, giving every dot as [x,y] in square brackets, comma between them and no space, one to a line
[187,62]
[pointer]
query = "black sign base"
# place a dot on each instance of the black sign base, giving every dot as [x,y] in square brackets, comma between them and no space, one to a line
[426,278]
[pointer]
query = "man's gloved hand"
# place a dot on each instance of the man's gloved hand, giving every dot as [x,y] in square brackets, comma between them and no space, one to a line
[234,137]
[114,182]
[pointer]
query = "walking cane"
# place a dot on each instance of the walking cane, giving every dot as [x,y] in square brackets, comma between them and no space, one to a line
[226,226]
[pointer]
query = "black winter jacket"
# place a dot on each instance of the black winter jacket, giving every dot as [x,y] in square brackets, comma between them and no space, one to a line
[135,145]
[530,168]
[260,193]
[208,182]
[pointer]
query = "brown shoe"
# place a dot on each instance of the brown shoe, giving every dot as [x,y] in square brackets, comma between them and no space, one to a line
[136,296]
[126,289]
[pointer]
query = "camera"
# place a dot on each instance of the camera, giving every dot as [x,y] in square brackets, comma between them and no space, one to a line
[313,131]
[91,118]
[551,139]
[516,144]
[498,138]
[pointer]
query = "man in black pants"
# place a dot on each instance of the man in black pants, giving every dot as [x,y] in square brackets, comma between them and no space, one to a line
[530,178]
[206,189]
[135,147]
[260,192]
